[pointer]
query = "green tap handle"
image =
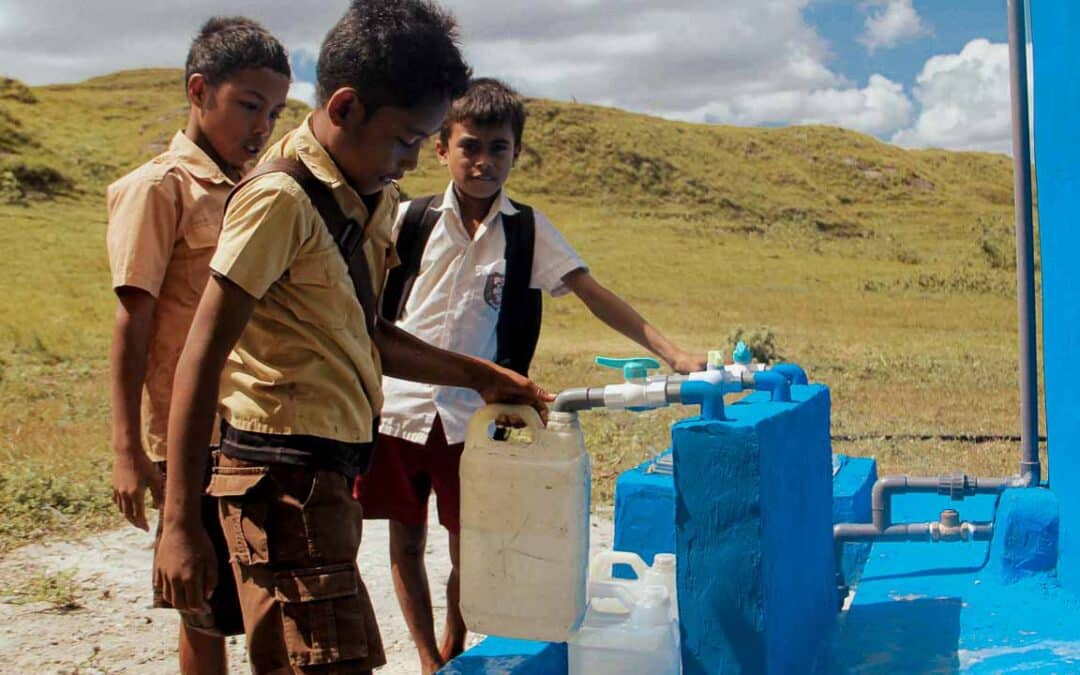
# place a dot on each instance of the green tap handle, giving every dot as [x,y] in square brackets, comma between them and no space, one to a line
[633,369]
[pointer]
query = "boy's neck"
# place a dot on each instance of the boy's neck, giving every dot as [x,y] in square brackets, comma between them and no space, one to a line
[473,211]
[196,136]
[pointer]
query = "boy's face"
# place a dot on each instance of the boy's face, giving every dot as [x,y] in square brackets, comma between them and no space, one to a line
[236,117]
[479,157]
[374,149]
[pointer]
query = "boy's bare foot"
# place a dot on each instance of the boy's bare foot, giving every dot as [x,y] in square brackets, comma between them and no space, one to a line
[431,667]
[452,646]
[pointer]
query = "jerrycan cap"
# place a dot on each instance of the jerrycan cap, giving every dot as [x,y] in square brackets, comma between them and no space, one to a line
[664,562]
[636,368]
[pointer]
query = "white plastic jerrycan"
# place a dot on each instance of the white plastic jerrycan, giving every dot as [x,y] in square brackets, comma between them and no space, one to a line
[626,633]
[662,573]
[524,527]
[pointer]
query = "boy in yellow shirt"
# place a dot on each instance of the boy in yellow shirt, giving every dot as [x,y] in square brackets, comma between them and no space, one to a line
[287,334]
[164,219]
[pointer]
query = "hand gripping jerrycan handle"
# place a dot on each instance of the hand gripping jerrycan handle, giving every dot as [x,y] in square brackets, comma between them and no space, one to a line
[478,425]
[603,565]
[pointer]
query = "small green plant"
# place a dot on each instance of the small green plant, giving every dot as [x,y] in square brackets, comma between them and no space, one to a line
[59,589]
[761,341]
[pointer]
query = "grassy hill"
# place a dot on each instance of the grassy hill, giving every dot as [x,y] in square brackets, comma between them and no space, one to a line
[887,273]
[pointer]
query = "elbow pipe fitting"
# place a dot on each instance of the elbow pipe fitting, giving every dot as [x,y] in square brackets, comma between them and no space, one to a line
[956,486]
[775,383]
[794,373]
[578,398]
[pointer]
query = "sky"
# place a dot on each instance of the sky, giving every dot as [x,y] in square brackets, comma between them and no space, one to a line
[918,73]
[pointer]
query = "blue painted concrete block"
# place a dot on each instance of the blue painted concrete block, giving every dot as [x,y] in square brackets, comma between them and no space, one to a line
[754,536]
[505,656]
[644,514]
[1025,534]
[1055,61]
[853,481]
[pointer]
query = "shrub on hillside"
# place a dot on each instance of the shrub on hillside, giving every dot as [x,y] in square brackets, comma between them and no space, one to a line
[760,340]
[13,90]
[22,180]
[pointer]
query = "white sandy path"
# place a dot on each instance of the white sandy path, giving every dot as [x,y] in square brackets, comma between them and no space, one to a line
[115,631]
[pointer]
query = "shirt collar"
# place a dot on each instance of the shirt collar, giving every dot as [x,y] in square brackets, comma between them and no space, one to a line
[196,161]
[322,166]
[502,205]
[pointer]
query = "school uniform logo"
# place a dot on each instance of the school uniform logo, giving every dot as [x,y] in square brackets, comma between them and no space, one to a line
[493,289]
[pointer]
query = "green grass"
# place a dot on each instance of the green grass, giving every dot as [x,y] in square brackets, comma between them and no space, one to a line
[60,591]
[887,273]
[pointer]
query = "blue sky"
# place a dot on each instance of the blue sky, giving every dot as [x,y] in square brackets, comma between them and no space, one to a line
[919,73]
[951,25]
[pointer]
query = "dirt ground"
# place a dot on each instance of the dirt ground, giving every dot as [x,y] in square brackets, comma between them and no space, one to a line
[112,628]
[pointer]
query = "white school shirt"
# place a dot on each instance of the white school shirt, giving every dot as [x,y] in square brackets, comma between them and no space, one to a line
[454,304]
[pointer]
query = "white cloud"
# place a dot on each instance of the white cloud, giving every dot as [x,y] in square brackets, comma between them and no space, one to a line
[738,60]
[893,22]
[303,91]
[965,101]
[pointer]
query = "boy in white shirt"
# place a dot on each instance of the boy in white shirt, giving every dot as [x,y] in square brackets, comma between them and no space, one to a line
[473,265]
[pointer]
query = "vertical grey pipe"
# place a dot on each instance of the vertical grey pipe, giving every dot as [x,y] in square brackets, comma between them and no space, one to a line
[1025,244]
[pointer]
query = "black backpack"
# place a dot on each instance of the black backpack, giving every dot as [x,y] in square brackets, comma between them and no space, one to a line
[521,310]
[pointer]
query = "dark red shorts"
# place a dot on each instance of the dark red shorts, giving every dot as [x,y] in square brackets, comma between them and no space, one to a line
[403,474]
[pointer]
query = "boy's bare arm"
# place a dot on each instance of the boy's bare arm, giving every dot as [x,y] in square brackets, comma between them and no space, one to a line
[133,471]
[619,315]
[407,357]
[185,561]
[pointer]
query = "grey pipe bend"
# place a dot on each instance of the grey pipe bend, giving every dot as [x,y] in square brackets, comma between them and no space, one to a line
[578,398]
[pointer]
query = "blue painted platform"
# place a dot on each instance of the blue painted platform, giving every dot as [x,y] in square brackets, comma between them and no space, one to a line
[963,607]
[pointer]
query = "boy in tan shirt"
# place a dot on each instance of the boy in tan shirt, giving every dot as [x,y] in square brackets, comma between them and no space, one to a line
[164,220]
[285,337]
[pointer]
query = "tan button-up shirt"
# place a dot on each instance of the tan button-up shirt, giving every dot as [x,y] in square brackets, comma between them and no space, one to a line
[164,219]
[305,363]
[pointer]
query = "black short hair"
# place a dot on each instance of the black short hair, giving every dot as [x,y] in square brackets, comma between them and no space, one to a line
[393,52]
[228,44]
[487,103]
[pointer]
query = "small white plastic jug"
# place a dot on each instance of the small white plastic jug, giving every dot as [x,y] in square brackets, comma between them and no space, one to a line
[624,632]
[662,573]
[524,527]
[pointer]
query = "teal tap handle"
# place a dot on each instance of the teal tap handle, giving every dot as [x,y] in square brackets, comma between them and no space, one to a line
[633,369]
[742,354]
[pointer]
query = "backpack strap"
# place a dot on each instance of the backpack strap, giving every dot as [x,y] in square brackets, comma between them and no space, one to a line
[347,233]
[518,328]
[413,235]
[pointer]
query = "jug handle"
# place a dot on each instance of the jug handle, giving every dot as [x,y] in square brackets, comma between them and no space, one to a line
[616,591]
[484,416]
[604,562]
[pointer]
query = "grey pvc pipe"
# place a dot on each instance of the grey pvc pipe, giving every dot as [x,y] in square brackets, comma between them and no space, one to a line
[578,398]
[902,532]
[956,486]
[1030,467]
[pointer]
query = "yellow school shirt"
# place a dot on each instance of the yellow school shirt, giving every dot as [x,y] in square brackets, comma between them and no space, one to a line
[305,363]
[164,219]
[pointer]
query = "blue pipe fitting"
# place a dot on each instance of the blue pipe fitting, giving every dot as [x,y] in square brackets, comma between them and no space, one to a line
[709,396]
[794,373]
[775,383]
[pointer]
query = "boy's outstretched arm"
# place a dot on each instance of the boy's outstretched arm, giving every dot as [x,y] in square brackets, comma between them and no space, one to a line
[619,315]
[132,471]
[407,357]
[185,563]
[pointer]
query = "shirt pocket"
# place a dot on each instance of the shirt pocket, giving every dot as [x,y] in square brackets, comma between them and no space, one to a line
[201,239]
[486,289]
[321,289]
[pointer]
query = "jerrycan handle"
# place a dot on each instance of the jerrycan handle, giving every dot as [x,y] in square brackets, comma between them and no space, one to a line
[478,425]
[603,564]
[614,591]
